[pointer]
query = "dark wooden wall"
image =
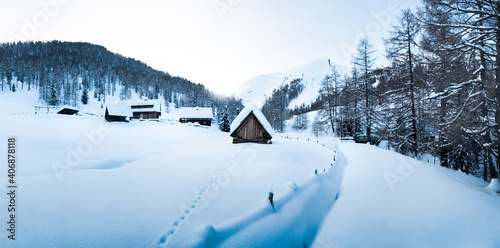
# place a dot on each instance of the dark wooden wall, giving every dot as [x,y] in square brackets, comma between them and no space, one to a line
[251,131]
[146,115]
[203,122]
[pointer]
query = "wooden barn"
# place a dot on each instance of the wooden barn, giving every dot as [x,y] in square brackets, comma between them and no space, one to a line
[203,116]
[146,110]
[118,112]
[68,111]
[251,126]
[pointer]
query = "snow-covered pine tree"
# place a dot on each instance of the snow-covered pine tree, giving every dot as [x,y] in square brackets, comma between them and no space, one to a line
[349,99]
[2,68]
[328,94]
[301,122]
[275,107]
[400,48]
[445,68]
[478,24]
[317,126]
[53,96]
[85,96]
[224,125]
[364,60]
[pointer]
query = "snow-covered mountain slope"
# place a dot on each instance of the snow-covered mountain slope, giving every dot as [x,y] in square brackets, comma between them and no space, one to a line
[256,90]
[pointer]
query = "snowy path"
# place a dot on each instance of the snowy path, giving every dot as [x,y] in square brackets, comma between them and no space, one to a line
[298,212]
[196,202]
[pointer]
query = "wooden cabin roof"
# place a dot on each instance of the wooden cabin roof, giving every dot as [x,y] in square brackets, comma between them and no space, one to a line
[196,113]
[120,109]
[146,106]
[242,118]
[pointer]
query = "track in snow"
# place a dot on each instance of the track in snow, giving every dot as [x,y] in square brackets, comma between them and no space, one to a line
[298,214]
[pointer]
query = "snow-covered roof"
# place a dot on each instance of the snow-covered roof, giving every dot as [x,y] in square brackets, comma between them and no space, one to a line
[119,109]
[143,103]
[156,106]
[68,107]
[258,114]
[196,113]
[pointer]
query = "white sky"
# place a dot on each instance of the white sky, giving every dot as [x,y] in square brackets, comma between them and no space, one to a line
[218,47]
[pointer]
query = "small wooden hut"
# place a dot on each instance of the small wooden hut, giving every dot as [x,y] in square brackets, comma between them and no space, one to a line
[146,110]
[203,116]
[251,126]
[118,112]
[68,111]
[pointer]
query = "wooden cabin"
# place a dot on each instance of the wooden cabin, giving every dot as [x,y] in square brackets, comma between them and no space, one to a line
[146,110]
[119,112]
[68,111]
[251,126]
[203,116]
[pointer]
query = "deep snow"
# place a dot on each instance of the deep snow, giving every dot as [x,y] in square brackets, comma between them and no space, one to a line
[86,183]
[389,200]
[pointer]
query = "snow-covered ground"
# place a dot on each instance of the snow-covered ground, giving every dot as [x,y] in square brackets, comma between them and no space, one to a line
[389,200]
[84,182]
[87,183]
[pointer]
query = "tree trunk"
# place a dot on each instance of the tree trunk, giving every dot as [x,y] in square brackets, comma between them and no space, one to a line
[355,107]
[368,120]
[497,95]
[412,95]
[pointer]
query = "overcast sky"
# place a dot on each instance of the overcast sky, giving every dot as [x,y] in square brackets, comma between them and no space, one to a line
[219,43]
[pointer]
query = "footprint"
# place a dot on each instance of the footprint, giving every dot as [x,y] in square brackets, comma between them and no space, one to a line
[163,240]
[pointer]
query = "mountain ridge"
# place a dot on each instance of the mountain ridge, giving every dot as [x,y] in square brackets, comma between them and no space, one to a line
[257,89]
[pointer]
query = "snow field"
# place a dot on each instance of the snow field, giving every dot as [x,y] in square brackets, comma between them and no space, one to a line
[389,200]
[299,207]
[87,183]
[84,182]
[122,191]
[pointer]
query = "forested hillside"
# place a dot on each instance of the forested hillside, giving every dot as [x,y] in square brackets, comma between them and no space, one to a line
[439,94]
[63,72]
